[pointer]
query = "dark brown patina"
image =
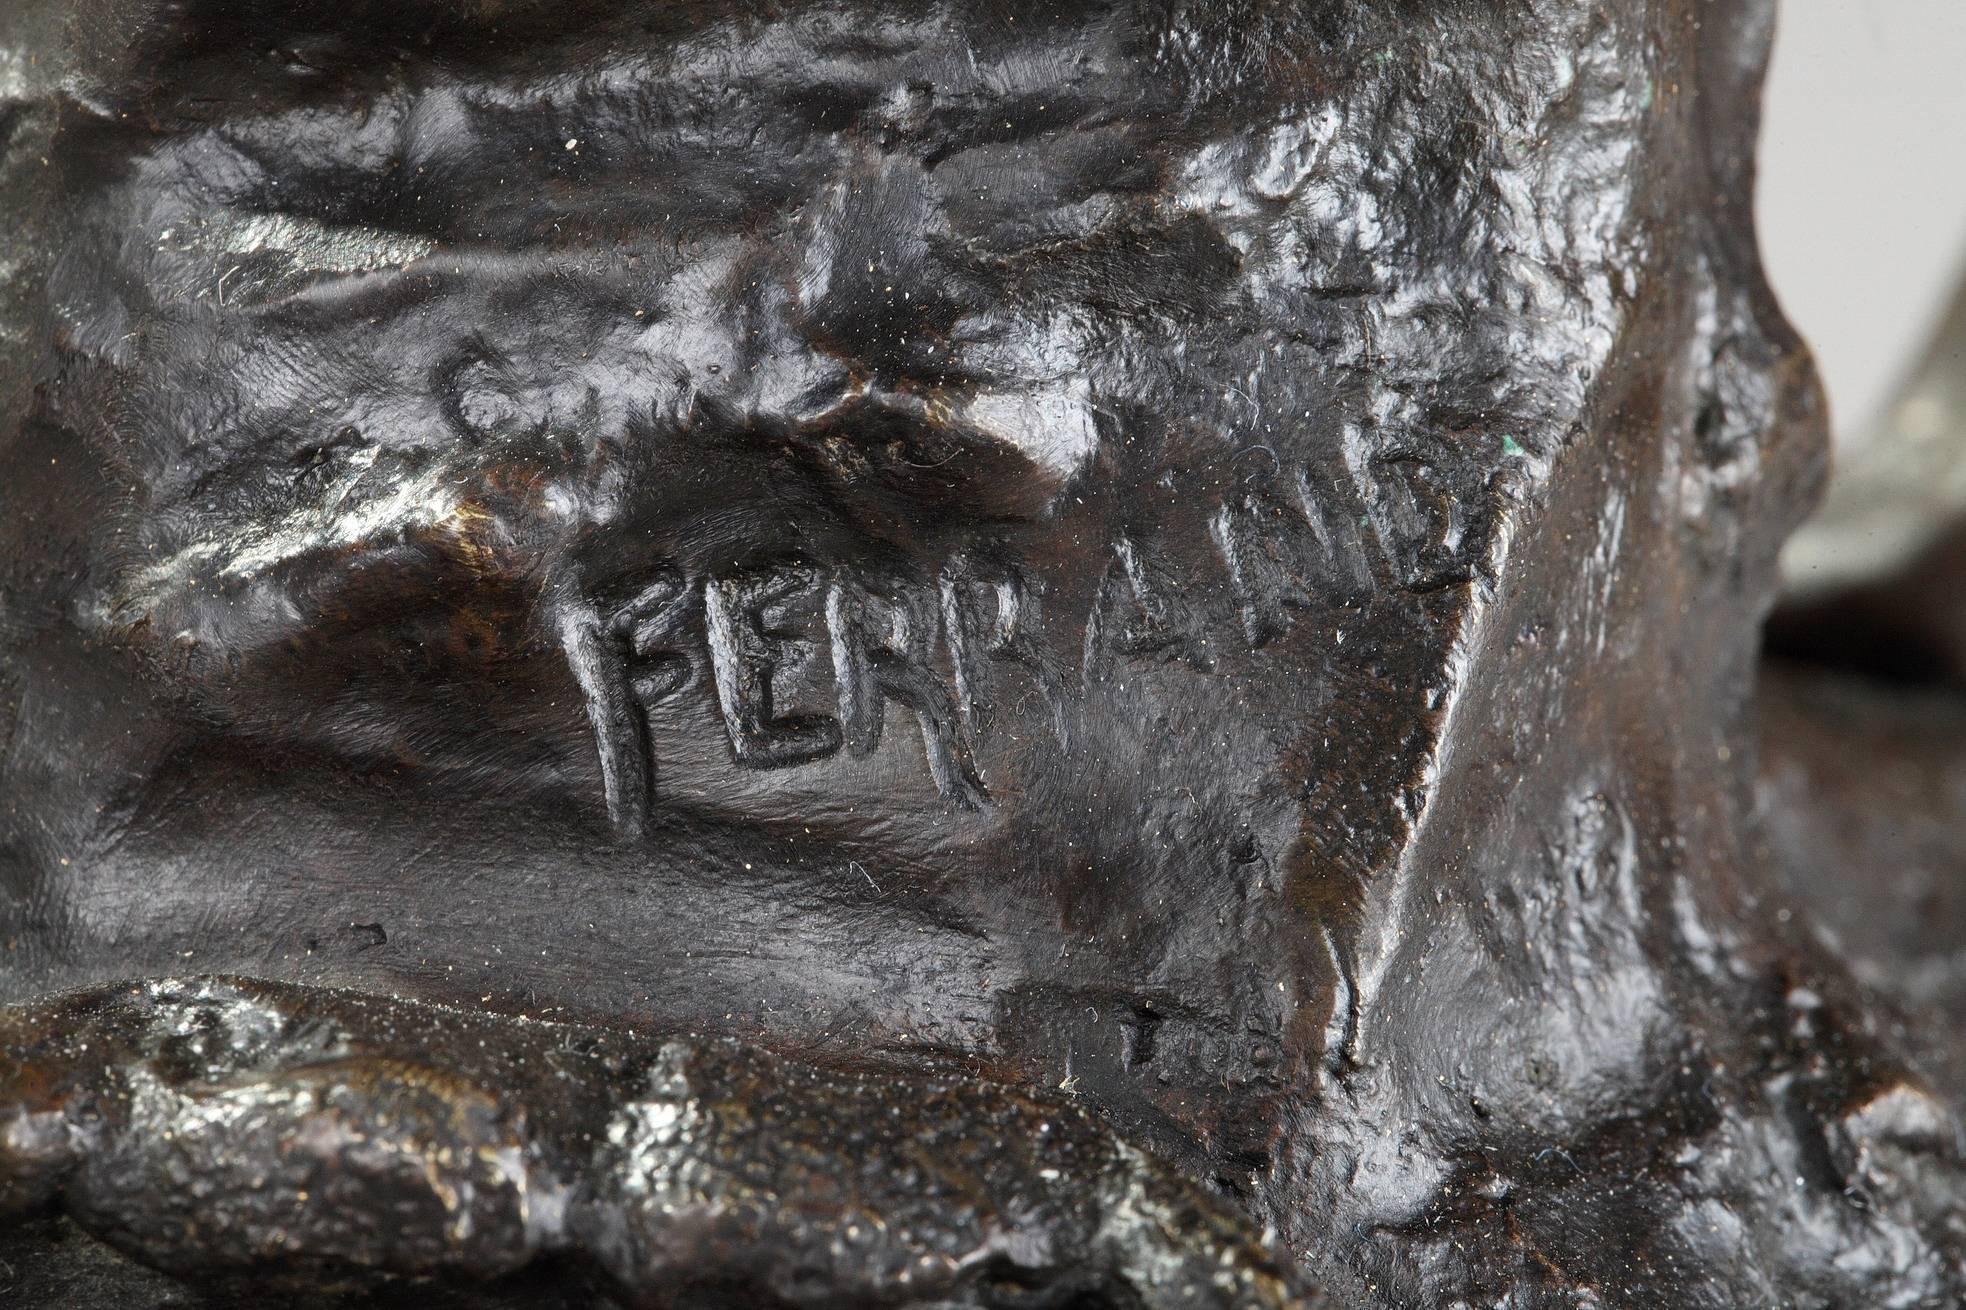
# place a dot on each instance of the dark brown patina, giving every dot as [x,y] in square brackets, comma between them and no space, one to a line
[965,654]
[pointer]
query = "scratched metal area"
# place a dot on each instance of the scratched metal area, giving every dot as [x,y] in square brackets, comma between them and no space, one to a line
[845,587]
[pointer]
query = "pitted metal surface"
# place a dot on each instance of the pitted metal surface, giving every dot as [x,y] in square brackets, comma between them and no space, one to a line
[983,653]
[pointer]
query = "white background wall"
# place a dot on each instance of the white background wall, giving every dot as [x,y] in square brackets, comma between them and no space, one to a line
[1863,185]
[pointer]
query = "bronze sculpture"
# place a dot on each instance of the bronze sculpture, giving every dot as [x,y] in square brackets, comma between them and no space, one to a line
[975,654]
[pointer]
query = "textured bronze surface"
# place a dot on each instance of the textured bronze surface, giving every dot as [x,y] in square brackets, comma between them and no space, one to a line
[968,654]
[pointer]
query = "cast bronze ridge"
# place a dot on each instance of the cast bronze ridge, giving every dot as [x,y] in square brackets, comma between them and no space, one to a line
[972,654]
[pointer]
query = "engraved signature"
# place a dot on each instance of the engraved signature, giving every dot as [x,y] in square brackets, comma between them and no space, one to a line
[935,651]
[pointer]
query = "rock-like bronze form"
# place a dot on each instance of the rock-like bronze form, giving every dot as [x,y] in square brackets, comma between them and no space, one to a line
[868,653]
